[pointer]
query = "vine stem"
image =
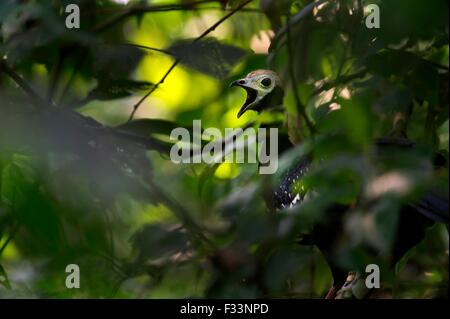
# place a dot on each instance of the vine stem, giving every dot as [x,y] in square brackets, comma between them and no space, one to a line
[36,99]
[298,102]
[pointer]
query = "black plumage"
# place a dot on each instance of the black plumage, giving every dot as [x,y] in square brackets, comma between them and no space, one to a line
[414,217]
[288,193]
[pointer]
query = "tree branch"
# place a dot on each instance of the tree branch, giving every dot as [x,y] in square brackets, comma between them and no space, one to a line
[177,7]
[86,123]
[36,99]
[153,89]
[140,46]
[10,237]
[78,63]
[179,211]
[40,103]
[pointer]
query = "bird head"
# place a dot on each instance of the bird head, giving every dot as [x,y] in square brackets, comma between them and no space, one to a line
[264,90]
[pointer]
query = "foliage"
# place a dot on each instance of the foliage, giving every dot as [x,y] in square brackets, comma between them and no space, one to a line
[106,196]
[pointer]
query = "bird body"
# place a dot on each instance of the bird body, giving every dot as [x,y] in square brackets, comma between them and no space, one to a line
[265,92]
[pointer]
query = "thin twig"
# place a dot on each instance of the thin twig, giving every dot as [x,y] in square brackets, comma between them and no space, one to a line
[56,73]
[177,7]
[404,50]
[41,104]
[437,65]
[177,208]
[78,63]
[87,99]
[294,20]
[117,268]
[178,60]
[140,46]
[215,25]
[103,26]
[180,212]
[298,102]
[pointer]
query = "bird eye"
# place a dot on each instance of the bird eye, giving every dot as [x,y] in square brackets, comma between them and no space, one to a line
[266,82]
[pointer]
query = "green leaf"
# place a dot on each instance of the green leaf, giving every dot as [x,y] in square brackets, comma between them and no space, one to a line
[28,27]
[15,188]
[6,7]
[148,127]
[391,62]
[394,100]
[282,266]
[415,19]
[4,278]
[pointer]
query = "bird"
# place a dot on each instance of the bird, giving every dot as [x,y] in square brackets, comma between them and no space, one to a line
[264,89]
[265,92]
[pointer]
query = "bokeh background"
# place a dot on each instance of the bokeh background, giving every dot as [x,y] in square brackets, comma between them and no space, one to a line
[140,226]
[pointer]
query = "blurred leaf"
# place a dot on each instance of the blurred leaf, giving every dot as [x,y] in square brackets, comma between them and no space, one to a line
[394,100]
[208,56]
[14,186]
[281,267]
[28,27]
[116,89]
[423,81]
[207,173]
[391,62]
[115,62]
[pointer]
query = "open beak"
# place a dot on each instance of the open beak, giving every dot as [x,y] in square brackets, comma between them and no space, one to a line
[251,96]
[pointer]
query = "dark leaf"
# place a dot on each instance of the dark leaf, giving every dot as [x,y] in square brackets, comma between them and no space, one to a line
[115,62]
[207,173]
[208,56]
[149,127]
[159,241]
[4,278]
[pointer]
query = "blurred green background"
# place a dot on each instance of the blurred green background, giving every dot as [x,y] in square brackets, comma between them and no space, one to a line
[140,226]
